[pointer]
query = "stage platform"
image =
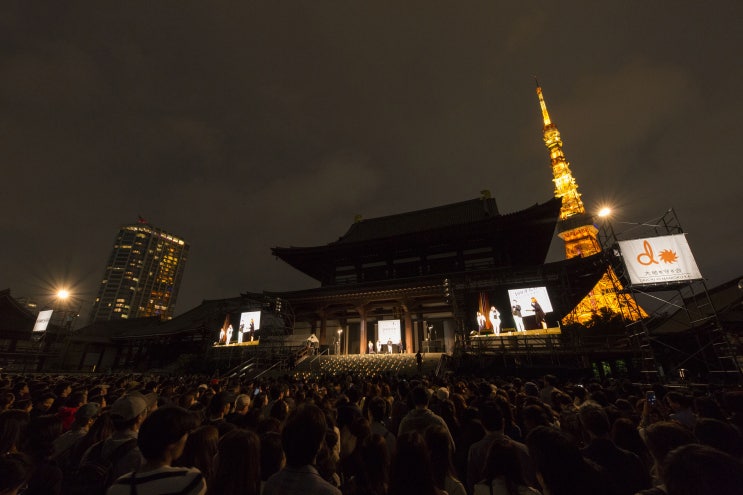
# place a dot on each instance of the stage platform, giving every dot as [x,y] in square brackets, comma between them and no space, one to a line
[514,333]
[547,339]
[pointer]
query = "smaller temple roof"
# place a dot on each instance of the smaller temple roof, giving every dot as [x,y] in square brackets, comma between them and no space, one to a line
[13,316]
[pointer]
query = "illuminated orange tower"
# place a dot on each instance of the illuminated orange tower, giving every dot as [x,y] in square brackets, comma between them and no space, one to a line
[576,229]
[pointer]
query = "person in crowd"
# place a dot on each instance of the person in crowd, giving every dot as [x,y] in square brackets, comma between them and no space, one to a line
[377,411]
[373,474]
[421,417]
[15,471]
[238,414]
[272,456]
[561,469]
[441,449]
[41,403]
[127,413]
[13,425]
[491,418]
[503,472]
[471,431]
[237,465]
[720,435]
[84,418]
[411,470]
[301,438]
[624,434]
[624,469]
[200,449]
[67,411]
[218,409]
[681,406]
[661,438]
[695,469]
[161,440]
[550,386]
[46,477]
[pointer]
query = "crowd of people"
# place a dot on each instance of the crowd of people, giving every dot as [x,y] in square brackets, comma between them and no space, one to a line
[380,435]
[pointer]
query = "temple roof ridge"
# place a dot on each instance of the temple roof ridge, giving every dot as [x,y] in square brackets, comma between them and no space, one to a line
[471,210]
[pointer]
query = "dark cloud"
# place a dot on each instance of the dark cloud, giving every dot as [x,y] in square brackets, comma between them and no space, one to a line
[245,125]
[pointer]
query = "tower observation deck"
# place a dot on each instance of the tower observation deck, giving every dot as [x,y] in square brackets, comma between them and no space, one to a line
[580,235]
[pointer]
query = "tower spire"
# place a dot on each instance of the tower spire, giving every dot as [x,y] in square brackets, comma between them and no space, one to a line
[577,231]
[545,115]
[565,185]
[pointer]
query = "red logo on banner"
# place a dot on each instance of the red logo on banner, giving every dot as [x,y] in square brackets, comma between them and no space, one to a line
[668,256]
[647,257]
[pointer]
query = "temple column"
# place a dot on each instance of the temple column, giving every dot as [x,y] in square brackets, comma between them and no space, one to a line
[362,329]
[408,319]
[322,334]
[418,330]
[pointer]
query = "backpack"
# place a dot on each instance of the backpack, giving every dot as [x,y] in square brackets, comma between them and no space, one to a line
[95,473]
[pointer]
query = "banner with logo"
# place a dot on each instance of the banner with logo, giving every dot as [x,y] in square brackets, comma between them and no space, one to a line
[657,260]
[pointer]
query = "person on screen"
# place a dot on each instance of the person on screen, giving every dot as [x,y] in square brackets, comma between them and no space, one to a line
[252,329]
[480,322]
[229,334]
[517,318]
[495,319]
[538,313]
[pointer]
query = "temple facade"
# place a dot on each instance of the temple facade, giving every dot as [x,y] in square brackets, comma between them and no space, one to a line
[428,269]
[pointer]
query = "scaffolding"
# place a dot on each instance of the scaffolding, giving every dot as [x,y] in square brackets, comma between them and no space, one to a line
[675,308]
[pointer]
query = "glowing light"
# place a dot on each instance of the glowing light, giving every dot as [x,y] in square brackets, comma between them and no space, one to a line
[63,294]
[604,212]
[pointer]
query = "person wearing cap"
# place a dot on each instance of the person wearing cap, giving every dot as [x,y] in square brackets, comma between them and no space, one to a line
[127,413]
[84,417]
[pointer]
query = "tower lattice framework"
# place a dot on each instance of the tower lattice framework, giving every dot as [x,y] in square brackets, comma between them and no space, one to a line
[577,230]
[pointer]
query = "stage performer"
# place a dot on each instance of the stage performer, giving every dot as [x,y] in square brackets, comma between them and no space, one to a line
[252,329]
[240,334]
[516,312]
[379,347]
[480,322]
[538,313]
[229,333]
[495,319]
[371,347]
[222,336]
[389,346]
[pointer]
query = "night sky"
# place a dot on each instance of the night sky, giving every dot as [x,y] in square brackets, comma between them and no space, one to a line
[240,126]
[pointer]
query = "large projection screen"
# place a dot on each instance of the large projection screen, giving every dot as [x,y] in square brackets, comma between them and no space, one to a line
[658,260]
[388,330]
[523,298]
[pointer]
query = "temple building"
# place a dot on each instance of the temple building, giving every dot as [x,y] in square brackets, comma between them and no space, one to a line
[428,269]
[577,230]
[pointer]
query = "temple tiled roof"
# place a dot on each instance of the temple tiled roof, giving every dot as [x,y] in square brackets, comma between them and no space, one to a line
[460,213]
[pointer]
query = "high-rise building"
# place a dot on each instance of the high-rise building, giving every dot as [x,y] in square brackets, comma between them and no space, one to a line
[580,235]
[142,276]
